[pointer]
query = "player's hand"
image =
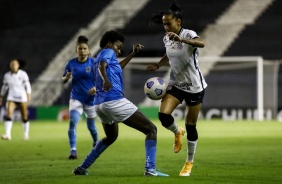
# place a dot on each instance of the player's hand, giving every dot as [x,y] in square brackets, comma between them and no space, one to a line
[169,87]
[152,67]
[68,76]
[173,36]
[92,91]
[137,47]
[1,100]
[107,85]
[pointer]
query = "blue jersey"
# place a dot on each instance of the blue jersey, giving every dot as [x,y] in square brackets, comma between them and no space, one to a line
[82,79]
[114,73]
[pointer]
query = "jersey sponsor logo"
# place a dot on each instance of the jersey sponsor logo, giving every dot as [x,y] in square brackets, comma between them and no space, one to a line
[184,86]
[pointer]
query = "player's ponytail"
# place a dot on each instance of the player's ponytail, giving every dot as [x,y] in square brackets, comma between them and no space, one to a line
[22,63]
[173,10]
[157,18]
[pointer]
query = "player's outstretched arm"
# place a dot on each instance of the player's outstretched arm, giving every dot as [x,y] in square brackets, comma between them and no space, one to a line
[195,42]
[153,67]
[136,49]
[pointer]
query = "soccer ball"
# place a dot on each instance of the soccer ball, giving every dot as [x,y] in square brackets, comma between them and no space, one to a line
[155,88]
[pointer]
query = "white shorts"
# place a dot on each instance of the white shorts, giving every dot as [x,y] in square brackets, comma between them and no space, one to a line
[115,110]
[88,110]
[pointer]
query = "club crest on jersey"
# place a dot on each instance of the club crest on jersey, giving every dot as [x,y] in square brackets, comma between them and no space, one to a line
[88,69]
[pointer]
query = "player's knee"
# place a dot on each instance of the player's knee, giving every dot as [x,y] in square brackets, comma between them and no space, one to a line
[92,130]
[110,139]
[154,129]
[6,118]
[192,133]
[166,119]
[74,118]
[151,130]
[24,120]
[91,125]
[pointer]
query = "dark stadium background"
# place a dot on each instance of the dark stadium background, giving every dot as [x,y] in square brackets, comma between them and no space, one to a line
[37,30]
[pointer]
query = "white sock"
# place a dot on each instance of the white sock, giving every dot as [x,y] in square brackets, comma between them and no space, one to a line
[173,128]
[191,149]
[26,129]
[8,127]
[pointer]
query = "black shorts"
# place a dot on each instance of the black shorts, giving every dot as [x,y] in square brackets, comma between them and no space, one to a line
[191,99]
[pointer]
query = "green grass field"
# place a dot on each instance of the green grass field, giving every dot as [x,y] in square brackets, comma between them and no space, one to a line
[228,152]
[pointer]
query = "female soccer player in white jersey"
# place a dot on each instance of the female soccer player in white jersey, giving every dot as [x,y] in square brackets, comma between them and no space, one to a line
[186,80]
[16,82]
[80,69]
[112,107]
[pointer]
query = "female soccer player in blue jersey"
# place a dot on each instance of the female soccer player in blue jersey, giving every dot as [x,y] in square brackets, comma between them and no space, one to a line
[186,80]
[80,69]
[112,107]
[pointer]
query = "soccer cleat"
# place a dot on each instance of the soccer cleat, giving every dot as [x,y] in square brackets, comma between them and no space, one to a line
[73,155]
[6,137]
[26,137]
[80,171]
[154,173]
[186,170]
[178,140]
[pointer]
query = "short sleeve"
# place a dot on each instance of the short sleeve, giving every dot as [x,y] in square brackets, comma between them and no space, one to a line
[106,55]
[191,34]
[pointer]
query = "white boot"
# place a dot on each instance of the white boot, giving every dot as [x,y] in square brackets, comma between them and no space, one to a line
[8,128]
[26,130]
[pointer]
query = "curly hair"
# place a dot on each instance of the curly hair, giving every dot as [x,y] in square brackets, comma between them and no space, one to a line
[111,36]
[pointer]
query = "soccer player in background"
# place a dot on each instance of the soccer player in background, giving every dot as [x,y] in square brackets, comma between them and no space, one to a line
[112,107]
[186,80]
[16,82]
[80,69]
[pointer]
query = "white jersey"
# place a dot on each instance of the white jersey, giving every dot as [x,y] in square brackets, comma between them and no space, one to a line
[183,59]
[18,85]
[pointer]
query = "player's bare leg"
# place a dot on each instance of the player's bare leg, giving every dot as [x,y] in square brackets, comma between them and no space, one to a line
[8,123]
[24,112]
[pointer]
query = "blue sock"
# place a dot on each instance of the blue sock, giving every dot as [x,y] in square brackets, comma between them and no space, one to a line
[92,129]
[94,154]
[74,118]
[151,150]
